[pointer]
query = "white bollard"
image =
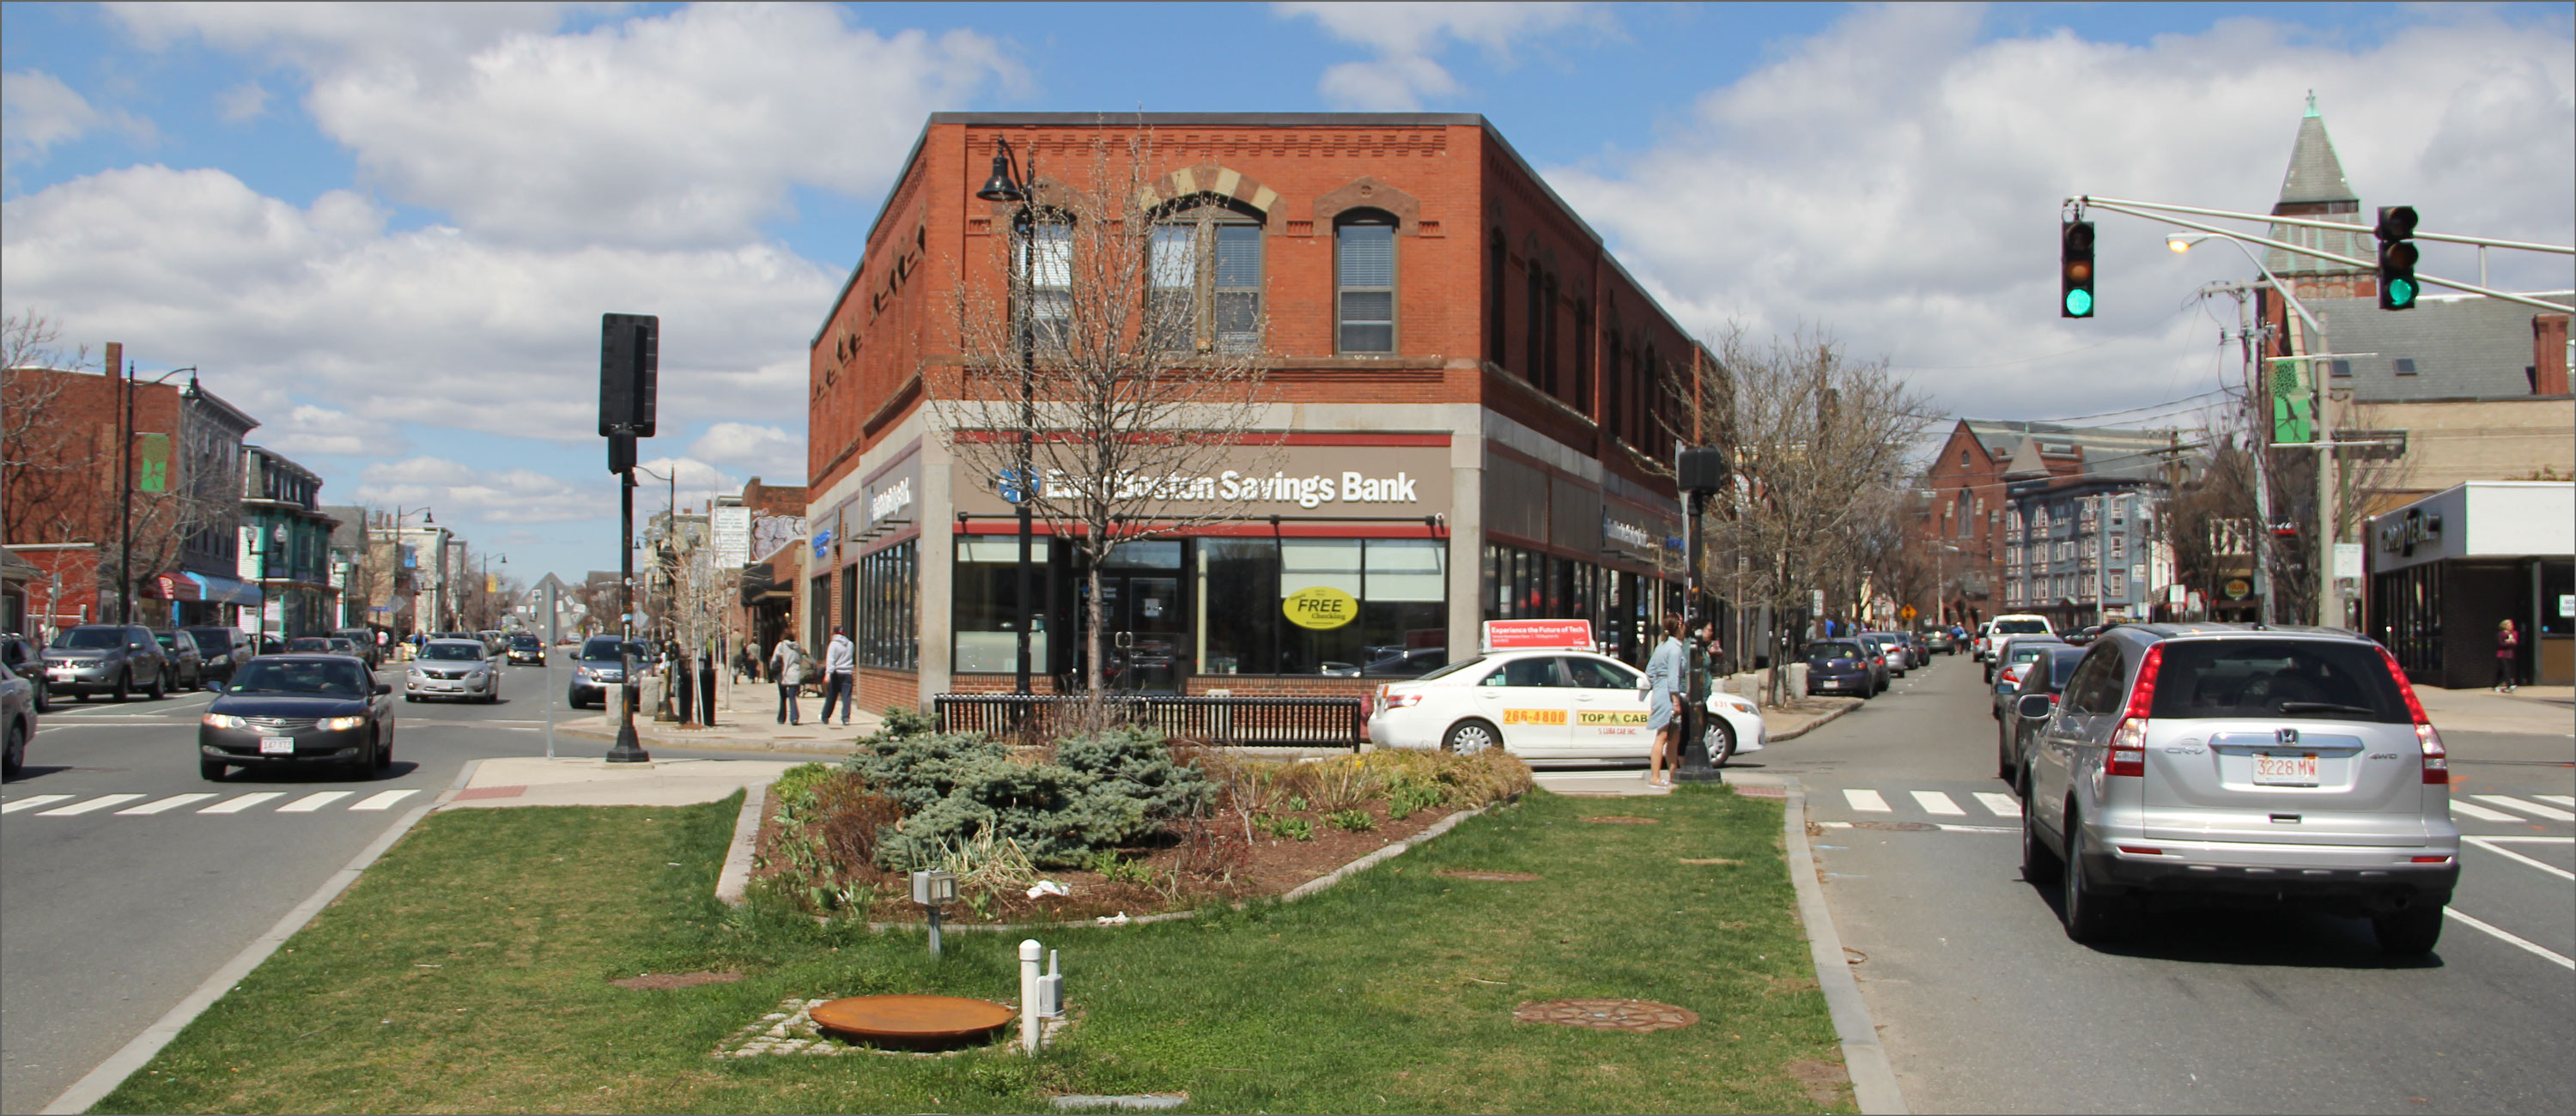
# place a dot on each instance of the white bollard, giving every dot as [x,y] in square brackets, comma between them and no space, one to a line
[1030,952]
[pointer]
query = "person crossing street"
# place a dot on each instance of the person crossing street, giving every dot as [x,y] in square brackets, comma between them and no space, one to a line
[838,660]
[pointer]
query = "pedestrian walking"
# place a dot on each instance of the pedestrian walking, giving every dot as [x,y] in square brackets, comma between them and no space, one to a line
[787,664]
[746,665]
[2508,657]
[1663,686]
[840,658]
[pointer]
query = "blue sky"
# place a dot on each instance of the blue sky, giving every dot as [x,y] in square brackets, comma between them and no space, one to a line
[388,231]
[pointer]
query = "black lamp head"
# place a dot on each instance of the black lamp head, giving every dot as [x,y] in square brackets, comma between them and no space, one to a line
[1000,188]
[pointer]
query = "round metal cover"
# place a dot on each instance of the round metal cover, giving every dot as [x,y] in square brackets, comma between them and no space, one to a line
[1636,1016]
[911,1020]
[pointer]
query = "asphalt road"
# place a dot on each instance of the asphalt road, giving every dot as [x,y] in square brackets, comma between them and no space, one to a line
[1985,1006]
[109,916]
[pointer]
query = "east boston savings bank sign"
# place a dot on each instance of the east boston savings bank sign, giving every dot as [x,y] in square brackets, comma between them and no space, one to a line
[1315,480]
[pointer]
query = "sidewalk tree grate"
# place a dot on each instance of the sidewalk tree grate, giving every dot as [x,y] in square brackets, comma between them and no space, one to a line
[1489,877]
[1634,1016]
[1621,819]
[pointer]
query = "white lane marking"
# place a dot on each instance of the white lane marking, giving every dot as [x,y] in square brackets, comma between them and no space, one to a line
[32,801]
[1866,800]
[237,805]
[314,801]
[2532,808]
[99,803]
[2509,854]
[171,803]
[1835,825]
[2481,813]
[1948,828]
[1935,802]
[2508,938]
[2561,799]
[382,799]
[2001,805]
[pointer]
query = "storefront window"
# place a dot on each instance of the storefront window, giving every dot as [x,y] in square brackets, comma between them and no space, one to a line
[887,635]
[986,612]
[1239,617]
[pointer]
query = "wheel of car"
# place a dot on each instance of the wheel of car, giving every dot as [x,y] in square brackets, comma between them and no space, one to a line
[1721,743]
[412,698]
[44,697]
[2003,759]
[81,697]
[384,754]
[211,770]
[2089,914]
[2037,863]
[160,685]
[13,751]
[2408,933]
[1471,736]
[124,683]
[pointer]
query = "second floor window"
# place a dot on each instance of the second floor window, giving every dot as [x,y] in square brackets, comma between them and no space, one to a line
[1204,280]
[1364,282]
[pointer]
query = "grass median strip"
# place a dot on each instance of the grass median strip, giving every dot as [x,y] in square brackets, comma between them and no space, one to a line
[470,971]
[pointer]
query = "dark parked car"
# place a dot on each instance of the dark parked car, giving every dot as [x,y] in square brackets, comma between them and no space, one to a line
[364,639]
[27,661]
[17,719]
[115,659]
[1840,666]
[299,711]
[221,651]
[525,648]
[187,668]
[2011,661]
[600,668]
[2045,677]
[309,645]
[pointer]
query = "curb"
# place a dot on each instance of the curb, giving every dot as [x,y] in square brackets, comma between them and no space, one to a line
[103,1079]
[1818,723]
[736,877]
[1873,1078]
[651,740]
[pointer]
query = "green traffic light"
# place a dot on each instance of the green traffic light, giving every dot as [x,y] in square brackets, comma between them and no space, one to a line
[2079,302]
[2401,292]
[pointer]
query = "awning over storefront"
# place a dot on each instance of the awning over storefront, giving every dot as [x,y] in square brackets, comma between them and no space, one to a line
[186,586]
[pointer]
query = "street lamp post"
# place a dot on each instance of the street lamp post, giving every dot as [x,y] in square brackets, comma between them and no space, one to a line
[1007,185]
[125,496]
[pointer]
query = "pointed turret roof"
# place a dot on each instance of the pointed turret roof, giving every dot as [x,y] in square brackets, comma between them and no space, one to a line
[2315,175]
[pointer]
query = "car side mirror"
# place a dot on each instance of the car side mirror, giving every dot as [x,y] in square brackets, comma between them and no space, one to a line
[2035,707]
[214,687]
[382,688]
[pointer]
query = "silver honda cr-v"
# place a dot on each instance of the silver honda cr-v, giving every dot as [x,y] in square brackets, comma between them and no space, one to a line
[2242,763]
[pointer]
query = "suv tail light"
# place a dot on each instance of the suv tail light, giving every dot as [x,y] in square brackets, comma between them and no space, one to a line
[2012,676]
[2128,751]
[2437,759]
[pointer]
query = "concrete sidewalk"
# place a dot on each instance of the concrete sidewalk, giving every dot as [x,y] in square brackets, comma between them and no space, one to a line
[2538,710]
[1799,718]
[534,781]
[746,720]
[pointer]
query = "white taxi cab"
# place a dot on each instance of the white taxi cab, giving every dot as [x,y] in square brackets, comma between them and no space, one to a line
[1539,691]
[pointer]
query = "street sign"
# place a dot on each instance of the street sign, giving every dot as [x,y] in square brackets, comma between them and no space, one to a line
[1008,485]
[1905,613]
[732,530]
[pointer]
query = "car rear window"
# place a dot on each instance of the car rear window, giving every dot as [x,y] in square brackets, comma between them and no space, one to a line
[2021,627]
[2306,679]
[1833,650]
[600,647]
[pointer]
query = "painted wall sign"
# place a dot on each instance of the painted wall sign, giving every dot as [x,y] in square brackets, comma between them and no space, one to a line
[1320,607]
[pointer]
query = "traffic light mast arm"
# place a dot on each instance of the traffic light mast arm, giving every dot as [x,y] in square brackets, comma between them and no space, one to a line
[2319,253]
[2273,219]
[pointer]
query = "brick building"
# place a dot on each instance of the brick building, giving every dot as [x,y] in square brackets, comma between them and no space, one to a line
[1499,366]
[62,508]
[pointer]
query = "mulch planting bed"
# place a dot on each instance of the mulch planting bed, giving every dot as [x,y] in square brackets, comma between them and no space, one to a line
[1264,866]
[1634,1016]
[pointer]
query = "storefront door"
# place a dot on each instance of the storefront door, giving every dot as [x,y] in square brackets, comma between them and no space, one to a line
[1146,636]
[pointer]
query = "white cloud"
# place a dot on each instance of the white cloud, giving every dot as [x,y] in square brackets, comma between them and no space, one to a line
[493,496]
[679,130]
[777,454]
[242,102]
[308,429]
[1406,36]
[1899,181]
[686,483]
[38,111]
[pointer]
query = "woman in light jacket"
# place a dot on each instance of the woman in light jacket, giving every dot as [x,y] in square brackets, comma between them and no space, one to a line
[1664,678]
[789,659]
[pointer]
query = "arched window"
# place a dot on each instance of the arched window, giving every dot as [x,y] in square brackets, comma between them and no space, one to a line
[1364,282]
[1050,283]
[1494,254]
[1203,277]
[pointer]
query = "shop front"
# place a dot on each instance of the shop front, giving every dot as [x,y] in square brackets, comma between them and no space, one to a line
[2448,570]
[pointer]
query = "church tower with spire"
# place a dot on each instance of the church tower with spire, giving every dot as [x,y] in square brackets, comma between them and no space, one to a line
[2314,188]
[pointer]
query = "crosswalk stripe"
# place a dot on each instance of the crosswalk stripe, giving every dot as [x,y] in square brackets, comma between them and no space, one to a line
[99,803]
[171,803]
[1935,802]
[314,801]
[382,799]
[1866,800]
[237,805]
[31,802]
[2561,799]
[2533,808]
[2001,805]
[2481,813]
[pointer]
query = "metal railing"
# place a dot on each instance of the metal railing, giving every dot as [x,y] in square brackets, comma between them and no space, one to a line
[1259,722]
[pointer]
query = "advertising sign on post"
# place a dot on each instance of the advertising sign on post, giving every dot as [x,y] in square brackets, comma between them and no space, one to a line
[732,531]
[1530,635]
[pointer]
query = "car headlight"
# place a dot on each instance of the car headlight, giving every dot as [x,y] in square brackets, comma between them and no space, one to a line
[342,724]
[222,721]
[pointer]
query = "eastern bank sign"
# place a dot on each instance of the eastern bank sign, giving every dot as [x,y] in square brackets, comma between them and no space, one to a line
[1357,480]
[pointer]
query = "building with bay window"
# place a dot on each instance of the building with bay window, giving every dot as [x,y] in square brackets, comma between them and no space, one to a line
[1468,396]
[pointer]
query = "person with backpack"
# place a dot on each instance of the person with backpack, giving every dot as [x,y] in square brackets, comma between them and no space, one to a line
[788,660]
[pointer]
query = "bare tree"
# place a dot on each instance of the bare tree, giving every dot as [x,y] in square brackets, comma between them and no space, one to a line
[1108,367]
[43,458]
[1819,445]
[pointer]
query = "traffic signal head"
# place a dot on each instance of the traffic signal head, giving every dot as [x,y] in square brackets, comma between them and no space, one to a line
[2075,269]
[2397,256]
[629,364]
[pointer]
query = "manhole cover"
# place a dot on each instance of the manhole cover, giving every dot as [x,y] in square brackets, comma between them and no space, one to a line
[1489,877]
[1638,1016]
[1902,827]
[911,1021]
[652,981]
[1621,819]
